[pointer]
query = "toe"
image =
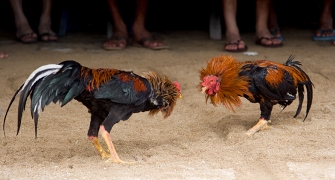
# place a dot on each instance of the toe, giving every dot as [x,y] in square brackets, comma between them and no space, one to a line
[266,41]
[276,41]
[231,46]
[29,37]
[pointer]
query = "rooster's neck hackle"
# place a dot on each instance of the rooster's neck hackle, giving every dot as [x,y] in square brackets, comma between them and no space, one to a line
[232,86]
[163,88]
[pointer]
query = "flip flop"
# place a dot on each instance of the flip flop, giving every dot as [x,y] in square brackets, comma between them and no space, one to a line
[118,39]
[275,32]
[325,38]
[151,39]
[48,34]
[236,43]
[27,41]
[259,42]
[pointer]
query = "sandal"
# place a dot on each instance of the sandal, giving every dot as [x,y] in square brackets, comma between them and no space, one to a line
[259,42]
[48,36]
[118,40]
[325,35]
[27,38]
[144,42]
[236,43]
[275,33]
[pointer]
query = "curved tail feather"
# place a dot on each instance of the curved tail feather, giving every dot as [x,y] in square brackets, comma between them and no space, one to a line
[49,83]
[10,104]
[309,97]
[301,99]
[29,86]
[308,84]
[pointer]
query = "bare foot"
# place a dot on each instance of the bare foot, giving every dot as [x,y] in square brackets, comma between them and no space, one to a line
[3,55]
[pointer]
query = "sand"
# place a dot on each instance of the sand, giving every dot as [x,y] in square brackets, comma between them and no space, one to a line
[198,141]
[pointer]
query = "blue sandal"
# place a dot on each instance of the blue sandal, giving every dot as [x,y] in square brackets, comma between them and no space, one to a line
[323,36]
[275,32]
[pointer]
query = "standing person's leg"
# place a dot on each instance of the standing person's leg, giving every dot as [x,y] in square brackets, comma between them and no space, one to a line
[234,40]
[273,23]
[141,34]
[263,35]
[24,33]
[326,29]
[120,34]
[44,28]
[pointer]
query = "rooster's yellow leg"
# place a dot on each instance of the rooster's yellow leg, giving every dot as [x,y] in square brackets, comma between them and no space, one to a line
[108,140]
[97,145]
[261,125]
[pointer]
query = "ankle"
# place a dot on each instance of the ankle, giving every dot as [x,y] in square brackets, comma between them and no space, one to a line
[233,37]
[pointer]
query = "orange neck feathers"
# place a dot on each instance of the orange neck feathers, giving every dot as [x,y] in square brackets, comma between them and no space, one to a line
[226,68]
[166,89]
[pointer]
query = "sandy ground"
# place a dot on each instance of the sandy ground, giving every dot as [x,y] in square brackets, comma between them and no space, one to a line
[197,141]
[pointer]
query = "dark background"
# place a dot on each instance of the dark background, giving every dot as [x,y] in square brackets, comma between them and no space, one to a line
[172,15]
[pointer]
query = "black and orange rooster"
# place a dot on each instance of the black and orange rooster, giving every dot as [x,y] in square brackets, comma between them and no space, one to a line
[110,95]
[225,79]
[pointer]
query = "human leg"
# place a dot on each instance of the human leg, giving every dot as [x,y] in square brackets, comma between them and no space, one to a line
[263,35]
[326,30]
[234,41]
[44,28]
[120,34]
[273,23]
[141,34]
[24,33]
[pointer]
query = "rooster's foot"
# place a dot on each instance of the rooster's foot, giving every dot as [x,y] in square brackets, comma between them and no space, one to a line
[104,155]
[261,125]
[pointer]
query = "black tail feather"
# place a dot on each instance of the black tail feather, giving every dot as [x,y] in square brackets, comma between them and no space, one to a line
[36,114]
[27,89]
[49,83]
[308,84]
[301,99]
[290,62]
[309,98]
[10,104]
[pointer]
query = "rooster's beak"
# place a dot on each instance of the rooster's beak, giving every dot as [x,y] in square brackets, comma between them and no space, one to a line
[203,89]
[180,96]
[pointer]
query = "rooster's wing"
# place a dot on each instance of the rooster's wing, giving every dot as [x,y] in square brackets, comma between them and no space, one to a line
[134,91]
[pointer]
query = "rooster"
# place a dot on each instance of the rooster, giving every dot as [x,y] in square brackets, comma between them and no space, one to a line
[268,83]
[110,95]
